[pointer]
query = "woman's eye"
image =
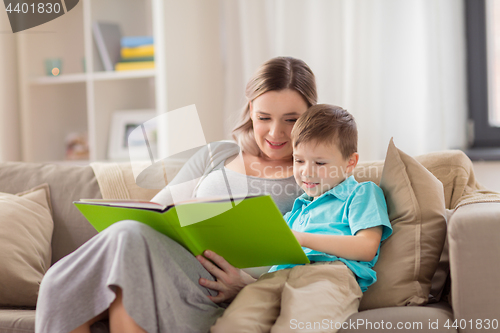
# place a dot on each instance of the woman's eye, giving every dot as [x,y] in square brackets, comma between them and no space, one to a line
[291,120]
[263,118]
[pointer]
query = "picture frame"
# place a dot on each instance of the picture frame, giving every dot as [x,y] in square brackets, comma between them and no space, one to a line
[123,123]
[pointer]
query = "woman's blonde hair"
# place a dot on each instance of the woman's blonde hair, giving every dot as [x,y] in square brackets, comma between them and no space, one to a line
[274,75]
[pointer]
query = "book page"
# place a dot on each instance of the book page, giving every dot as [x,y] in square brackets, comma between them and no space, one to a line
[125,203]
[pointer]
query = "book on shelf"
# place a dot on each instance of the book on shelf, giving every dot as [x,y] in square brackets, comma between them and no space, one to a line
[139,59]
[134,65]
[107,37]
[246,231]
[135,41]
[139,51]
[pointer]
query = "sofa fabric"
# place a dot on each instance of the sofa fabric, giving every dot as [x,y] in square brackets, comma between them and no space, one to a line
[25,253]
[117,181]
[67,183]
[473,237]
[408,319]
[472,231]
[408,259]
[455,171]
[20,320]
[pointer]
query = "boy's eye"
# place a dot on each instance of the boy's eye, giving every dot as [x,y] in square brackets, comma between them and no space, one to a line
[298,161]
[320,163]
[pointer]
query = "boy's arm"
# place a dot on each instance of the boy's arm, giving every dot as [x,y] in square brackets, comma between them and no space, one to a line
[361,247]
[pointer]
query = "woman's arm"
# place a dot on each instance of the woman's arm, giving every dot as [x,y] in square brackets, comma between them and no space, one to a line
[183,185]
[362,247]
[229,280]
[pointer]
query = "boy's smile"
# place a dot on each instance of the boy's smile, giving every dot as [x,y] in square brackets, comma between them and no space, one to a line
[318,168]
[310,184]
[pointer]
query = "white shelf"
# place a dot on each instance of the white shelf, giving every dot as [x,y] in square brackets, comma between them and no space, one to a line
[104,76]
[63,78]
[98,76]
[77,102]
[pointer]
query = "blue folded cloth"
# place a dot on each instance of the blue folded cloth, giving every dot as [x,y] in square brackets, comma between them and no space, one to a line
[135,41]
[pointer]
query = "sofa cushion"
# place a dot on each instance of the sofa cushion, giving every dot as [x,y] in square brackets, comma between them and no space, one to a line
[67,183]
[408,259]
[25,235]
[455,171]
[421,319]
[17,320]
[442,274]
[117,181]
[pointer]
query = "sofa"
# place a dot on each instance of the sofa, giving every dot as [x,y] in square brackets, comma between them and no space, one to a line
[464,298]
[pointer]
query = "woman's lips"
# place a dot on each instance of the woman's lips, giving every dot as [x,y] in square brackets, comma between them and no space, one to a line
[275,145]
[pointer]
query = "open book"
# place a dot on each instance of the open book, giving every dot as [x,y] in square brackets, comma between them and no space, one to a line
[247,232]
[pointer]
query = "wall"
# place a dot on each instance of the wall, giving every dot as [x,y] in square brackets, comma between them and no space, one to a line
[10,145]
[488,174]
[194,61]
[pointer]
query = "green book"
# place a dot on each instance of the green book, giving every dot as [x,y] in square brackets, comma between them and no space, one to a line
[247,232]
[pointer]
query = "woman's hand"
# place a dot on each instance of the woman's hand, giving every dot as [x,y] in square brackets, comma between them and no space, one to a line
[229,280]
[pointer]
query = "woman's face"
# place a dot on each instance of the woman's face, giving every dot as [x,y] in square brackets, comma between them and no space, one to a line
[273,115]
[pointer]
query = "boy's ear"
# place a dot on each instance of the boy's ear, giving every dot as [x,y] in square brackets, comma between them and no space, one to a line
[352,161]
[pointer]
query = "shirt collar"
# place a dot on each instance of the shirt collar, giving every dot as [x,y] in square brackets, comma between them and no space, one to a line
[342,191]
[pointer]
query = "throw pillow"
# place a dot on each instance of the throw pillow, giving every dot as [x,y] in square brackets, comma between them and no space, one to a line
[408,258]
[442,274]
[25,236]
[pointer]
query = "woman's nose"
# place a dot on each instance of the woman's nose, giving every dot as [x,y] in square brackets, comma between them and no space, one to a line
[276,130]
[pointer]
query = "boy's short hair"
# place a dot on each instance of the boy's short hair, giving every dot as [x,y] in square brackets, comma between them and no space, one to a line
[324,123]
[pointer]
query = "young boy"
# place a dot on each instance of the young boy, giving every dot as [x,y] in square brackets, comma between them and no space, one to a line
[338,222]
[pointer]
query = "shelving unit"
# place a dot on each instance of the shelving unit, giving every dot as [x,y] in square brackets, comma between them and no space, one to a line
[83,102]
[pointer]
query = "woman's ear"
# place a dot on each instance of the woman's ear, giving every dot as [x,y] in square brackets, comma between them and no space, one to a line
[352,161]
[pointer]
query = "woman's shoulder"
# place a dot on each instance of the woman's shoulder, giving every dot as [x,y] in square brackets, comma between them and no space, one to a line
[215,152]
[224,147]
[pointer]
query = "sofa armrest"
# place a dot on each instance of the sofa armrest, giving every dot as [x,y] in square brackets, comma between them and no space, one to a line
[473,235]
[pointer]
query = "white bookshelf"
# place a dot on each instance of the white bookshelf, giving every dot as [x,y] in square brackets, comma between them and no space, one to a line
[83,102]
[99,76]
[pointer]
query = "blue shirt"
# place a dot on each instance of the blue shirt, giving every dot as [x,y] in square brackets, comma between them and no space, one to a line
[344,210]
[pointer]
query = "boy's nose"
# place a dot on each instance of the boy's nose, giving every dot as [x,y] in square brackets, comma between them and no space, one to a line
[307,171]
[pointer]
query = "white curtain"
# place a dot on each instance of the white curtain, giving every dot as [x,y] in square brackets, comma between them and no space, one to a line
[10,141]
[397,66]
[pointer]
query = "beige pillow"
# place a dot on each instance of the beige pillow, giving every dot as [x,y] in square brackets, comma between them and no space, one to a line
[408,258]
[25,235]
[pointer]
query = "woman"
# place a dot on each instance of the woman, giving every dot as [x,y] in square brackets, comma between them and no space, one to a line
[145,282]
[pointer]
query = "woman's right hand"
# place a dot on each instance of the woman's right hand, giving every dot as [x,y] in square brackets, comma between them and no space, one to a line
[229,279]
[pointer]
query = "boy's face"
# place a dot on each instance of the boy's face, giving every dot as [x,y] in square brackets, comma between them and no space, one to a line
[318,168]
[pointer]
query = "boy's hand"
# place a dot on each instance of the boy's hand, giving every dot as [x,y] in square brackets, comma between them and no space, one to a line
[362,247]
[300,236]
[229,279]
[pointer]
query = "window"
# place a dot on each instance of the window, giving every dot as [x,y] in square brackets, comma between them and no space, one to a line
[483,70]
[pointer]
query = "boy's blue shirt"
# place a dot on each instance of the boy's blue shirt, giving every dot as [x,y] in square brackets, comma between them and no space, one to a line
[344,210]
